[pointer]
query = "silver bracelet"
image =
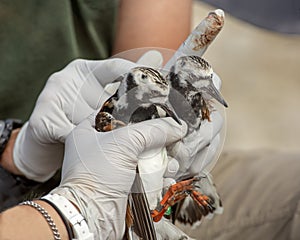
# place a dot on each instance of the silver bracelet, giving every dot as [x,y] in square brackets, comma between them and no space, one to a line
[46,216]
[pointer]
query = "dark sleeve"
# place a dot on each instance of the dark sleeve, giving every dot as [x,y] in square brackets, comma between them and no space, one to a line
[41,37]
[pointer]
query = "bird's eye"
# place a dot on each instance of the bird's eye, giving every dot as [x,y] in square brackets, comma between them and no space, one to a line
[144,76]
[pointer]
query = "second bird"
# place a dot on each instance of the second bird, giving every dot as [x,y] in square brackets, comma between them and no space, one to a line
[193,89]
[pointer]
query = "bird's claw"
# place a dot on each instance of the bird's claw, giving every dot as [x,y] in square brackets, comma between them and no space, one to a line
[179,191]
[203,201]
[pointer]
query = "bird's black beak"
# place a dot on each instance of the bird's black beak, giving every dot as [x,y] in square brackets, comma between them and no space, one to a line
[167,107]
[213,92]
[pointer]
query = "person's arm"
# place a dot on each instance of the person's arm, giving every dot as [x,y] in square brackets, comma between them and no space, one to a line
[155,23]
[104,205]
[17,223]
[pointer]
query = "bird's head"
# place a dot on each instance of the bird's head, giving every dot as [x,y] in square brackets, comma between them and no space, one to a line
[198,73]
[147,84]
[192,68]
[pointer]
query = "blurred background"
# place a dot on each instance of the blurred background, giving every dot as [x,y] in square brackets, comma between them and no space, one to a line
[260,70]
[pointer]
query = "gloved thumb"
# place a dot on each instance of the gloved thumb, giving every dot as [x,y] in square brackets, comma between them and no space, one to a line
[152,58]
[109,70]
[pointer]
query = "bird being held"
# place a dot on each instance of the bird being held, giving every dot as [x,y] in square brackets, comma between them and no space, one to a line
[142,95]
[193,89]
[192,95]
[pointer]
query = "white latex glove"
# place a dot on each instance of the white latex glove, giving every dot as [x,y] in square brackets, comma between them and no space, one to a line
[99,169]
[166,230]
[198,149]
[68,97]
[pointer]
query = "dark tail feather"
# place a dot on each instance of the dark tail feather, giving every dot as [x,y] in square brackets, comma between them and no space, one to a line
[142,220]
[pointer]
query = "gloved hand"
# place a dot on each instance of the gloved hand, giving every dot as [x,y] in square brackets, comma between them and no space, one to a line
[198,150]
[167,230]
[68,97]
[99,169]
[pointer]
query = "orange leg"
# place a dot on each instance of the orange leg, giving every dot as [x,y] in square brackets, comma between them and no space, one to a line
[159,211]
[175,193]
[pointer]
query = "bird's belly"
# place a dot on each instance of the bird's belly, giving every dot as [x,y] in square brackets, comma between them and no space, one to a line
[152,165]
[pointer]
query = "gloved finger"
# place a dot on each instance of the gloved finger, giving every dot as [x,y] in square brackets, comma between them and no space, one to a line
[106,71]
[196,141]
[36,159]
[168,182]
[207,132]
[152,58]
[172,168]
[166,230]
[146,135]
[206,158]
[201,37]
[97,74]
[156,133]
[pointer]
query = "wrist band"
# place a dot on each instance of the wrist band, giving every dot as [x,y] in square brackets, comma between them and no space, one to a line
[74,218]
[46,216]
